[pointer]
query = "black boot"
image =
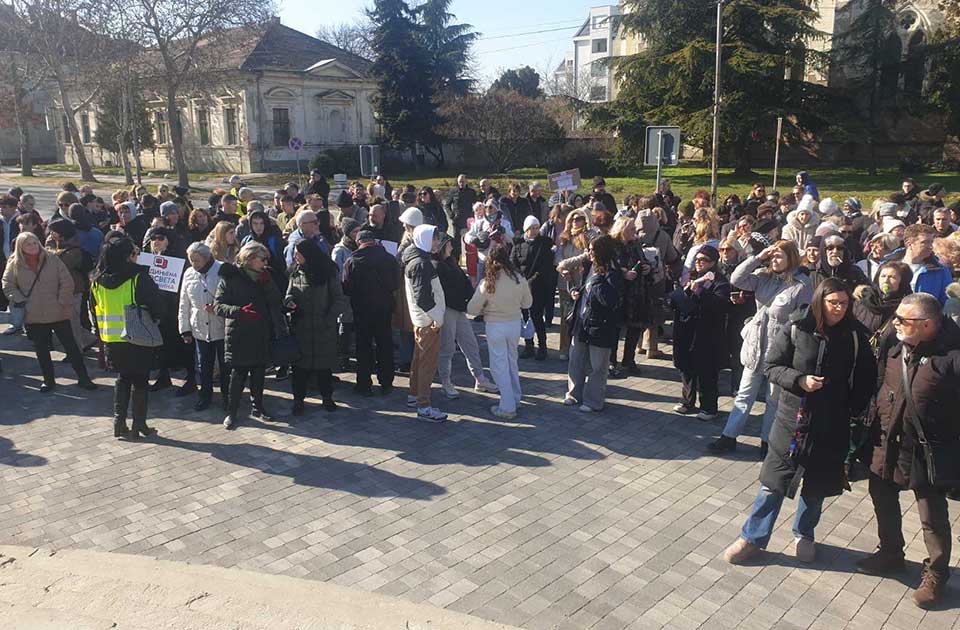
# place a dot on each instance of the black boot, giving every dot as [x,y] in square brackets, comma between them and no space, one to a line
[189,387]
[329,405]
[163,381]
[121,401]
[527,350]
[139,399]
[723,444]
[541,352]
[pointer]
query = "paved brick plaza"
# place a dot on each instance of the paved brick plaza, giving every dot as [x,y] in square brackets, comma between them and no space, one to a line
[557,520]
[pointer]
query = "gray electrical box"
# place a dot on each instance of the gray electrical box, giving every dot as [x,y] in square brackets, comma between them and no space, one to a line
[667,140]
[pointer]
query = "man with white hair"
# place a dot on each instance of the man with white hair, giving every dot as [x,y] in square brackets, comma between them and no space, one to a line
[308,227]
[539,207]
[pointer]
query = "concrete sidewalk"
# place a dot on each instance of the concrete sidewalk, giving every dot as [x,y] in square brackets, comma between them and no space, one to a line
[41,589]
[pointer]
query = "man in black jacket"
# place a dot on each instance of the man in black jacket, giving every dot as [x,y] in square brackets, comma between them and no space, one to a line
[459,208]
[929,353]
[370,277]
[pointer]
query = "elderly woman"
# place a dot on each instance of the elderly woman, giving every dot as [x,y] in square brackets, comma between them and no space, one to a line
[253,306]
[41,283]
[316,299]
[199,324]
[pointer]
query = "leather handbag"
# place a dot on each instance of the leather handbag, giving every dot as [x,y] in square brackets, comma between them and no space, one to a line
[139,327]
[942,458]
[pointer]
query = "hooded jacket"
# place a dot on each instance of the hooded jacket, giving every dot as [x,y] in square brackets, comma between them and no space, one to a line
[424,292]
[371,266]
[847,271]
[248,343]
[799,233]
[198,290]
[933,278]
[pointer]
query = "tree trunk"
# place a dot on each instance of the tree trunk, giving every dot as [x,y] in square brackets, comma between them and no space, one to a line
[122,143]
[743,158]
[86,173]
[176,138]
[135,135]
[23,129]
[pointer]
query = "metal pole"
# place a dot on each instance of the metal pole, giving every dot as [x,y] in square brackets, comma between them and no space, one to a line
[299,174]
[716,107]
[659,159]
[776,154]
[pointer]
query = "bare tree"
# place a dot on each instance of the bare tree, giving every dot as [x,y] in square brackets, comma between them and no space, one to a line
[186,44]
[354,37]
[62,39]
[19,81]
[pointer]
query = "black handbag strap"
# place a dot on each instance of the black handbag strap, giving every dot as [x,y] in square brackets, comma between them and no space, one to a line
[908,397]
[35,279]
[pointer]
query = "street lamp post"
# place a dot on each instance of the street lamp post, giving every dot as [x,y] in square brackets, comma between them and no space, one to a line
[716,107]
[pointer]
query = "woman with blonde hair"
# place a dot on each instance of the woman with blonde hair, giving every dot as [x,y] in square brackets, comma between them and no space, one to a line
[573,243]
[706,231]
[633,307]
[38,281]
[780,289]
[222,242]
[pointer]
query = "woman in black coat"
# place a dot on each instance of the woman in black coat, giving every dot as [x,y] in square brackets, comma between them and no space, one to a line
[698,327]
[826,372]
[252,304]
[533,256]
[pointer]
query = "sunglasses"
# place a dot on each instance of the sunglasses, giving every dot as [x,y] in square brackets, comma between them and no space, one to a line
[899,319]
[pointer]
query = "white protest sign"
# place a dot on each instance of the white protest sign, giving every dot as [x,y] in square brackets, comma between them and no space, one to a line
[564,180]
[164,270]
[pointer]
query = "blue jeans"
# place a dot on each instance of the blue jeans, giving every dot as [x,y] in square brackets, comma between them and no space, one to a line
[763,516]
[750,383]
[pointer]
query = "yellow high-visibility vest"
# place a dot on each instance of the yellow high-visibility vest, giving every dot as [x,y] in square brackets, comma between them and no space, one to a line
[110,304]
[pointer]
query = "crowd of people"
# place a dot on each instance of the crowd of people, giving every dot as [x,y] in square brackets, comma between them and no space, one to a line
[843,320]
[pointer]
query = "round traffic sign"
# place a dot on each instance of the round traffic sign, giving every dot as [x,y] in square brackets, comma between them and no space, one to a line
[295,144]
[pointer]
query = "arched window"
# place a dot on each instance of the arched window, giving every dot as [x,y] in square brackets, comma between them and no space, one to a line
[914,66]
[890,66]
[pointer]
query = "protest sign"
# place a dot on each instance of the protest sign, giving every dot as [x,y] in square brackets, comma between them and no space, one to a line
[564,180]
[164,270]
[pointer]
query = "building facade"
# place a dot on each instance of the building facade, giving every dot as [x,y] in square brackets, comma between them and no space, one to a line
[281,84]
[587,70]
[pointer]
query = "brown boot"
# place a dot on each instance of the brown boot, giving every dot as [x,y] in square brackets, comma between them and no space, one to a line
[932,585]
[740,551]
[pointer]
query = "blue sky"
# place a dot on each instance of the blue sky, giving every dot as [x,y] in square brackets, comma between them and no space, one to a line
[506,26]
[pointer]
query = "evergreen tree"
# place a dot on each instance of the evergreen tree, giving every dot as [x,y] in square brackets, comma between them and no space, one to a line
[524,81]
[110,122]
[671,80]
[944,77]
[449,46]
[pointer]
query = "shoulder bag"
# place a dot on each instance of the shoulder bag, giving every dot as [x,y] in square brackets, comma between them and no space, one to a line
[139,327]
[18,310]
[942,458]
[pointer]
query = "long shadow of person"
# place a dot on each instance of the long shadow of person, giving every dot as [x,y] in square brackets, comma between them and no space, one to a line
[11,456]
[313,470]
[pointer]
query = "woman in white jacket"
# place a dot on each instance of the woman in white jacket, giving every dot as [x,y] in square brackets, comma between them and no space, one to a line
[199,323]
[802,223]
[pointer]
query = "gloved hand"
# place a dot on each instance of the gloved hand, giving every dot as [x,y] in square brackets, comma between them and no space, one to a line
[249,314]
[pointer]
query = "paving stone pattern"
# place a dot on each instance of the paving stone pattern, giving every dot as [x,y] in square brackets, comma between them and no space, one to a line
[557,520]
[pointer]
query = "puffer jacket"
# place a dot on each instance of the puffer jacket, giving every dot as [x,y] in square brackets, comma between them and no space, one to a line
[315,319]
[198,290]
[423,289]
[777,299]
[248,343]
[51,299]
[800,234]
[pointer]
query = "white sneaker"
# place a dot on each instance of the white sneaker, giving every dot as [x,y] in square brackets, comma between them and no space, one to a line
[486,387]
[569,401]
[805,550]
[503,415]
[706,416]
[430,414]
[450,391]
[411,401]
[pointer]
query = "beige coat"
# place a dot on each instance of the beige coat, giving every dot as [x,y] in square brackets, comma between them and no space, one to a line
[52,297]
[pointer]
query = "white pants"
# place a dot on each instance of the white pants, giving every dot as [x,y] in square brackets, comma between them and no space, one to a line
[458,331]
[502,340]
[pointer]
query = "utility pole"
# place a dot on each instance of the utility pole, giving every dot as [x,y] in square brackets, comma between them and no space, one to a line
[716,107]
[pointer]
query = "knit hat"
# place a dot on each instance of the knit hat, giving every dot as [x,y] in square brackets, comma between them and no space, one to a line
[765,226]
[710,252]
[815,242]
[828,207]
[63,228]
[180,191]
[169,207]
[366,236]
[888,209]
[412,217]
[934,189]
[344,200]
[348,225]
[826,228]
[853,203]
[808,203]
[530,222]
[891,223]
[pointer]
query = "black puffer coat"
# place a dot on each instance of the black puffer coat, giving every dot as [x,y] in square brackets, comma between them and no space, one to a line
[698,326]
[534,259]
[596,313]
[933,368]
[249,344]
[847,272]
[830,407]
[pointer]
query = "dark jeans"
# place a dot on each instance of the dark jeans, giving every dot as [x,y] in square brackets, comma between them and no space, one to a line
[174,354]
[344,343]
[41,336]
[934,518]
[209,352]
[132,364]
[301,377]
[374,329]
[536,314]
[551,304]
[631,340]
[238,379]
[704,382]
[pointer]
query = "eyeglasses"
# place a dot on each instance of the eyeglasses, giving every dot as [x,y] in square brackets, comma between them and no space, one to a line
[702,259]
[899,319]
[579,219]
[837,303]
[834,248]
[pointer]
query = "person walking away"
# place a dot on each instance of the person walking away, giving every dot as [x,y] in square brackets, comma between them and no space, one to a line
[119,282]
[253,307]
[700,310]
[500,299]
[779,289]
[39,282]
[916,410]
[825,372]
[533,258]
[457,330]
[316,298]
[200,325]
[425,301]
[372,266]
[596,320]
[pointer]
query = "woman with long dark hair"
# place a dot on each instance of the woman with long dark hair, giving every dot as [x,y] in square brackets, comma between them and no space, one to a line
[499,298]
[316,299]
[825,372]
[596,321]
[264,231]
[432,209]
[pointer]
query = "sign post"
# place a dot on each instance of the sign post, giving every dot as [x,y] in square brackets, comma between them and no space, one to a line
[776,155]
[296,144]
[666,139]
